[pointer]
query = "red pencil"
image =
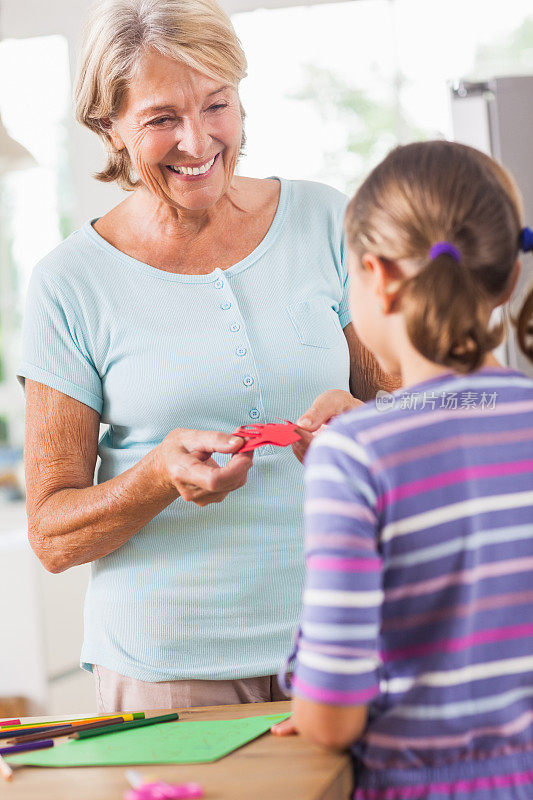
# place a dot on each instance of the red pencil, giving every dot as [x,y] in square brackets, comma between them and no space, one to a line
[10,722]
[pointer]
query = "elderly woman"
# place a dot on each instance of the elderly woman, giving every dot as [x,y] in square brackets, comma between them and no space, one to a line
[203,301]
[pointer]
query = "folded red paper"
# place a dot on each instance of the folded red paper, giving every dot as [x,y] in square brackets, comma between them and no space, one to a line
[278,433]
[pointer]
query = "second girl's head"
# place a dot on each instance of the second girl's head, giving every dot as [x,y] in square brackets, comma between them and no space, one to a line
[407,300]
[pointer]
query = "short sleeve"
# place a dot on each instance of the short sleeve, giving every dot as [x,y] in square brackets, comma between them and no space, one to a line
[338,660]
[55,349]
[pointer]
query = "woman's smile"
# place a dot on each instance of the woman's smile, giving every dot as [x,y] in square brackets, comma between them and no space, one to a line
[191,172]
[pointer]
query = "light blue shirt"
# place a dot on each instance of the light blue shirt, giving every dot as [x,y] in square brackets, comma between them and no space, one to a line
[212,592]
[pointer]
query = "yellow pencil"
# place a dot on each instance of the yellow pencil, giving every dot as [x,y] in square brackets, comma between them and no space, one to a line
[127,718]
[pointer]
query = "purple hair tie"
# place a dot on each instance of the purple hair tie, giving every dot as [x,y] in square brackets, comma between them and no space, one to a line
[445,247]
[526,240]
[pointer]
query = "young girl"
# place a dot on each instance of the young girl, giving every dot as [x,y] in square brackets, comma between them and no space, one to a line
[417,636]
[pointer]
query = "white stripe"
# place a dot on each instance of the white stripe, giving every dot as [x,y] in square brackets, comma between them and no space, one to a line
[342,666]
[465,708]
[339,633]
[429,519]
[331,597]
[328,472]
[479,539]
[336,440]
[453,677]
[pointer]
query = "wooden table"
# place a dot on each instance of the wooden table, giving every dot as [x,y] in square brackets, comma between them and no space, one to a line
[269,768]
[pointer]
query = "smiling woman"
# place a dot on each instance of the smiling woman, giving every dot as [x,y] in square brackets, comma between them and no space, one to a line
[202,301]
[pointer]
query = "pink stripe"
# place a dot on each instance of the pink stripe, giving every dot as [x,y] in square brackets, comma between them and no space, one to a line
[454,645]
[335,695]
[434,417]
[344,564]
[513,565]
[382,740]
[339,540]
[352,510]
[423,790]
[445,445]
[467,609]
[449,478]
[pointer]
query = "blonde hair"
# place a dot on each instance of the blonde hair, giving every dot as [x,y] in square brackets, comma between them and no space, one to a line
[428,192]
[117,34]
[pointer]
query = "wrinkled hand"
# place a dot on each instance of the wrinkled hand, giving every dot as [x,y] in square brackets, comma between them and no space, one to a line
[185,464]
[284,728]
[326,406]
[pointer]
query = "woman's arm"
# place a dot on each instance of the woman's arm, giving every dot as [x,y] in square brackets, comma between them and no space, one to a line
[70,521]
[366,376]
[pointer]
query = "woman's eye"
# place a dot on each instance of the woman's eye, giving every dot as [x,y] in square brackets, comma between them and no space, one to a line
[160,121]
[217,106]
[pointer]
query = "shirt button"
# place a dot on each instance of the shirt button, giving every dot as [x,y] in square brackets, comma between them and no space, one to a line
[254,413]
[225,306]
[248,380]
[235,327]
[218,284]
[241,351]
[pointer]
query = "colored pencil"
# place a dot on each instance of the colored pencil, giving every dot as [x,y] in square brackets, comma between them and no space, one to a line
[5,770]
[125,726]
[83,720]
[9,722]
[21,748]
[42,731]
[64,730]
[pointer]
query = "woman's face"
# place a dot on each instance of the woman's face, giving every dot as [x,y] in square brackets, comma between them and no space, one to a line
[182,131]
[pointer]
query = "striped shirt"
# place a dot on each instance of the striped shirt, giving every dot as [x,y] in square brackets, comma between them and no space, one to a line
[419,590]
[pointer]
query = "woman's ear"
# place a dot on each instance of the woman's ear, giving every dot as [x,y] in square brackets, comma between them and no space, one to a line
[110,128]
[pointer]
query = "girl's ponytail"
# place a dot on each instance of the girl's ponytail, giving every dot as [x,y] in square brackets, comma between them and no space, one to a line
[446,315]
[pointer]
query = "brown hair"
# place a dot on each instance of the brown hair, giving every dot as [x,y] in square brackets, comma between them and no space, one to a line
[198,33]
[428,192]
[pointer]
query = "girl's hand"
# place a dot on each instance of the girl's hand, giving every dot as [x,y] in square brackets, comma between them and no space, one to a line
[326,406]
[184,463]
[284,728]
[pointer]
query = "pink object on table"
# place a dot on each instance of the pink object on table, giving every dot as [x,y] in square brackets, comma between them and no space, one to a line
[165,791]
[6,722]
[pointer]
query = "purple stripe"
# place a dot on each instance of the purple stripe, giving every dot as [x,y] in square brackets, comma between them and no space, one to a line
[448,789]
[449,478]
[454,645]
[338,650]
[467,609]
[344,564]
[513,565]
[434,417]
[453,443]
[335,695]
[465,739]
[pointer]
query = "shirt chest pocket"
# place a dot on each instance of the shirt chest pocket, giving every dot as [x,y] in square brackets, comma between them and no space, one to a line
[316,324]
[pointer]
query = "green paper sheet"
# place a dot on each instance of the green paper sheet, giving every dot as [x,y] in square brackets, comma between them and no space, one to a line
[180,742]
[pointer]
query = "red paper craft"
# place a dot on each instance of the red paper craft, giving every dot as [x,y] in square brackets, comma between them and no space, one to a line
[278,433]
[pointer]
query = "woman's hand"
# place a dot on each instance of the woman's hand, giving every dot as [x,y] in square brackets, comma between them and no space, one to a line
[326,406]
[185,463]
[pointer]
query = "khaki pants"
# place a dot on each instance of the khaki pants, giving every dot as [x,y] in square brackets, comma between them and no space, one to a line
[116,692]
